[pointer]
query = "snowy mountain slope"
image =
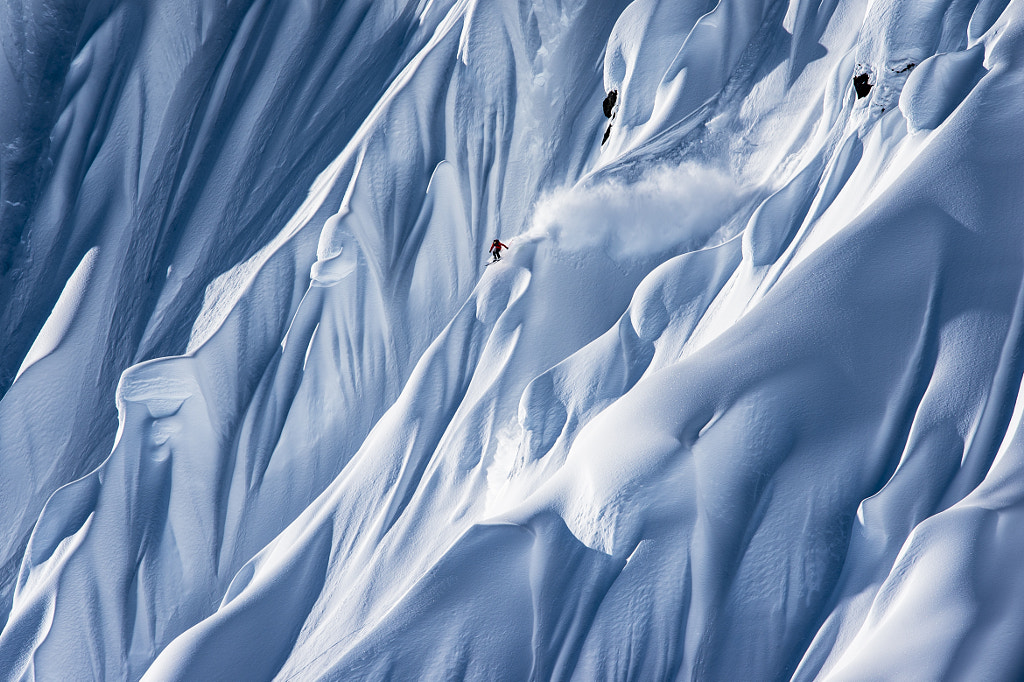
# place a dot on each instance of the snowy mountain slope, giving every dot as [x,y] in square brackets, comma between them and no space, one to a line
[740,403]
[182,139]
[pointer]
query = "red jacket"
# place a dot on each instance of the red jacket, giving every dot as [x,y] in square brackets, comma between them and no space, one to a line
[497,246]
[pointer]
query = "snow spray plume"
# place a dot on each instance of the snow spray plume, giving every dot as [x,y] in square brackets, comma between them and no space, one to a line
[669,209]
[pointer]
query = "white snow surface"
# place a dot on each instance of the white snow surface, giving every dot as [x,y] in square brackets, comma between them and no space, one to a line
[742,401]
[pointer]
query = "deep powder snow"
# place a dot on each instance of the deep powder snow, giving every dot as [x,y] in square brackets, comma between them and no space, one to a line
[743,400]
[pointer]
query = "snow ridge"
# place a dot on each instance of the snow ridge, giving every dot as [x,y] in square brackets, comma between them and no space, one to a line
[742,401]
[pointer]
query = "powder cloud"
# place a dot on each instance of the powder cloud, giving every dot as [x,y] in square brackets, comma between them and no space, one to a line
[668,209]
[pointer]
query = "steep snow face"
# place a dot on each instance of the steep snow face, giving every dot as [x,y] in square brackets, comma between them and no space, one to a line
[742,401]
[147,149]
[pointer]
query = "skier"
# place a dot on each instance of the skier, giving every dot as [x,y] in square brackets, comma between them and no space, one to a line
[496,247]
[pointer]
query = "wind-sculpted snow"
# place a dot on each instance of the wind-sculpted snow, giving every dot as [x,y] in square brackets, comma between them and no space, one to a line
[173,143]
[742,401]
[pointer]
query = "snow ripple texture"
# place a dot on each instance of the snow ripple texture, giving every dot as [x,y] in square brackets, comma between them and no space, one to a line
[743,400]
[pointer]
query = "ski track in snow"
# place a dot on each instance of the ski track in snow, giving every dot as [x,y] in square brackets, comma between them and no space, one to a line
[742,401]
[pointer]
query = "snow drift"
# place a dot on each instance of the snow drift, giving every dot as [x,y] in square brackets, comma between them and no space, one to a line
[743,401]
